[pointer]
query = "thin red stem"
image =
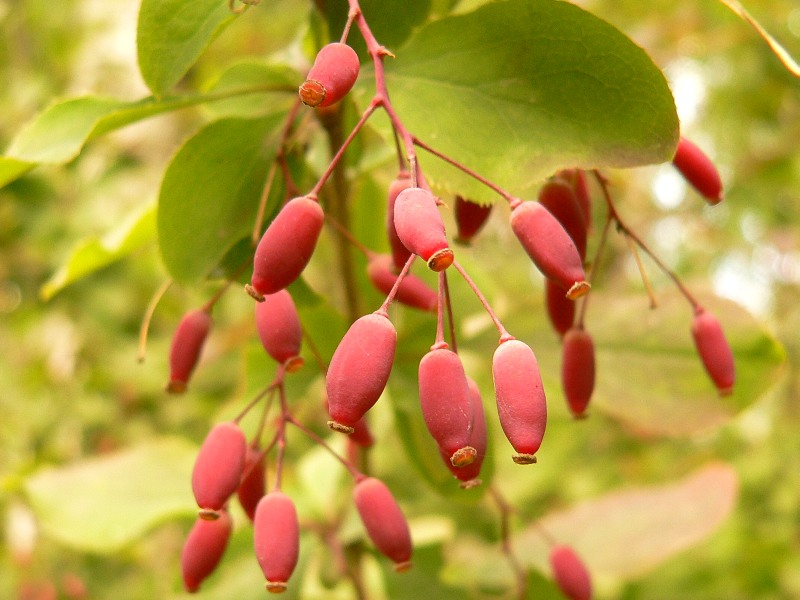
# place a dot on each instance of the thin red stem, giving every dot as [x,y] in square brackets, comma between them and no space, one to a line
[504,335]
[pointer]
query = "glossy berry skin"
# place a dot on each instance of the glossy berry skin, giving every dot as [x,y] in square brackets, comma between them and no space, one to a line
[279,329]
[549,246]
[413,291]
[570,573]
[577,370]
[203,549]
[276,533]
[478,439]
[253,485]
[444,396]
[421,229]
[560,309]
[521,402]
[218,468]
[332,75]
[384,521]
[558,197]
[187,344]
[400,254]
[359,370]
[714,350]
[470,218]
[698,170]
[287,245]
[580,186]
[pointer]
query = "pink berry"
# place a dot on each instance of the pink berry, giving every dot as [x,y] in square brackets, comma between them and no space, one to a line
[577,370]
[468,474]
[714,350]
[558,197]
[698,170]
[470,218]
[252,486]
[203,549]
[421,229]
[560,309]
[550,247]
[521,402]
[276,532]
[384,521]
[286,246]
[400,254]
[580,186]
[279,329]
[446,405]
[359,370]
[412,291]
[332,75]
[570,573]
[187,344]
[218,468]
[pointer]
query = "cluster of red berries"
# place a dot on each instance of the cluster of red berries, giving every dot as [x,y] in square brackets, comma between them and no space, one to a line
[553,231]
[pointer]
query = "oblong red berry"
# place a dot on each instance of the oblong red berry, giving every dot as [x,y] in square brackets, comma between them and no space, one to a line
[421,229]
[412,291]
[218,468]
[204,548]
[560,309]
[279,329]
[253,484]
[557,196]
[187,344]
[549,246]
[577,179]
[385,523]
[470,218]
[521,402]
[714,350]
[362,435]
[478,439]
[400,254]
[359,370]
[698,170]
[332,75]
[444,396]
[577,369]
[276,536]
[287,245]
[571,575]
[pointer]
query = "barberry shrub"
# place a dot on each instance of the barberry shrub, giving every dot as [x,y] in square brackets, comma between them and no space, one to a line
[341,199]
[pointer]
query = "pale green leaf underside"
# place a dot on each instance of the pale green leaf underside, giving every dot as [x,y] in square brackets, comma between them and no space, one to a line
[94,253]
[518,89]
[101,504]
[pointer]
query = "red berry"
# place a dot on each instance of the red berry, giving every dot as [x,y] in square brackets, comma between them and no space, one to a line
[203,549]
[362,436]
[521,403]
[698,170]
[470,218]
[549,246]
[400,254]
[714,350]
[412,291]
[559,198]
[359,370]
[252,486]
[286,246]
[468,474]
[187,343]
[276,533]
[279,329]
[560,309]
[218,468]
[384,521]
[570,573]
[332,75]
[577,370]
[446,405]
[421,229]
[580,186]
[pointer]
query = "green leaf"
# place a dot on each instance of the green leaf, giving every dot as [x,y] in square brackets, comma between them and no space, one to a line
[517,89]
[92,254]
[626,533]
[11,169]
[210,193]
[172,34]
[275,90]
[101,504]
